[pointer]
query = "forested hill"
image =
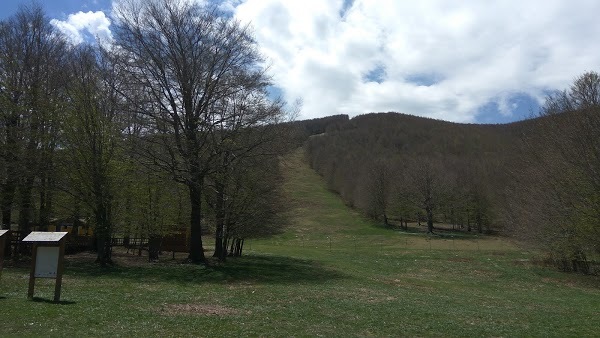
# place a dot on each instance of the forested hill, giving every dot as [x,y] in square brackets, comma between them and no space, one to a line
[526,179]
[349,154]
[417,135]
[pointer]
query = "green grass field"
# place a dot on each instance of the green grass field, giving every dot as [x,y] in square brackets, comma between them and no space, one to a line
[332,273]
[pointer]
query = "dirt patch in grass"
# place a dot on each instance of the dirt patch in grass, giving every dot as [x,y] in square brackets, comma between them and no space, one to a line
[197,309]
[120,257]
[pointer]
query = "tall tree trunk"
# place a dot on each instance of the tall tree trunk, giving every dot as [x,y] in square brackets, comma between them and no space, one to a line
[8,195]
[479,222]
[239,246]
[153,247]
[429,220]
[10,154]
[232,248]
[103,215]
[47,180]
[196,249]
[26,205]
[468,222]
[45,203]
[220,245]
[235,247]
[103,247]
[221,184]
[103,233]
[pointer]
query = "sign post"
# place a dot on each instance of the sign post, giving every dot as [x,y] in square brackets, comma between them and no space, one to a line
[3,237]
[47,259]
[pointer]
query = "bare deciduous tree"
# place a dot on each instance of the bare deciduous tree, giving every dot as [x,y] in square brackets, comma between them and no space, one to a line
[558,185]
[379,190]
[429,186]
[585,91]
[185,59]
[244,129]
[31,78]
[91,137]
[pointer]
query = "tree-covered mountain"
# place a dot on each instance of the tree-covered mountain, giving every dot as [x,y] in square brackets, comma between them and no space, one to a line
[535,179]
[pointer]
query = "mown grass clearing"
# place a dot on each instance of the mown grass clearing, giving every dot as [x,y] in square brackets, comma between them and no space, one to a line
[371,282]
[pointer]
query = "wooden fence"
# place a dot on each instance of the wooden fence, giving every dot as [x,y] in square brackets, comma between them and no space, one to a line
[75,243]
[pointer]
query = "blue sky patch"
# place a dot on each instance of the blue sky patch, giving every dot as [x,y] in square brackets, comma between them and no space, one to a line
[376,74]
[424,79]
[345,7]
[522,107]
[57,9]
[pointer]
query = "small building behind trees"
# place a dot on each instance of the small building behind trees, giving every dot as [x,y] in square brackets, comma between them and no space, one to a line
[72,225]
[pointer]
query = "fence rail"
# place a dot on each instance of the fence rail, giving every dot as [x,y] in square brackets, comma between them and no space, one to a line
[78,243]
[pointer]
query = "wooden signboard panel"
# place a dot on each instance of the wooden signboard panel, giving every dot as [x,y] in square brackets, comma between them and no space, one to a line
[46,262]
[47,259]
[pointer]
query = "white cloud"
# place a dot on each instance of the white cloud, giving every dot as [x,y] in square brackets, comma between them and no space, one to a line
[433,58]
[442,59]
[229,5]
[96,24]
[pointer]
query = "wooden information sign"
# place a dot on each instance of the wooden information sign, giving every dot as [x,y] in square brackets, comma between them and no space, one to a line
[47,258]
[3,237]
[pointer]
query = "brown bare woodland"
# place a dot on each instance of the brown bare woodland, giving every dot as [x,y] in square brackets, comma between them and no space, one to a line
[536,180]
[561,176]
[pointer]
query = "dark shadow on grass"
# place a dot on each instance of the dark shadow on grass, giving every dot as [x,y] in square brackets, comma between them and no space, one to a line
[50,301]
[260,268]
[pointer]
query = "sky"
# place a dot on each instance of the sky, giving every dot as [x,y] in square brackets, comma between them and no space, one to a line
[467,61]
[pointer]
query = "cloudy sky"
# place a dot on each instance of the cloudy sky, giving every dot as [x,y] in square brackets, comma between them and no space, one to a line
[464,61]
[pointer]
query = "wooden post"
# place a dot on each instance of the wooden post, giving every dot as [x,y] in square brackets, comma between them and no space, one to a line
[3,236]
[59,272]
[32,272]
